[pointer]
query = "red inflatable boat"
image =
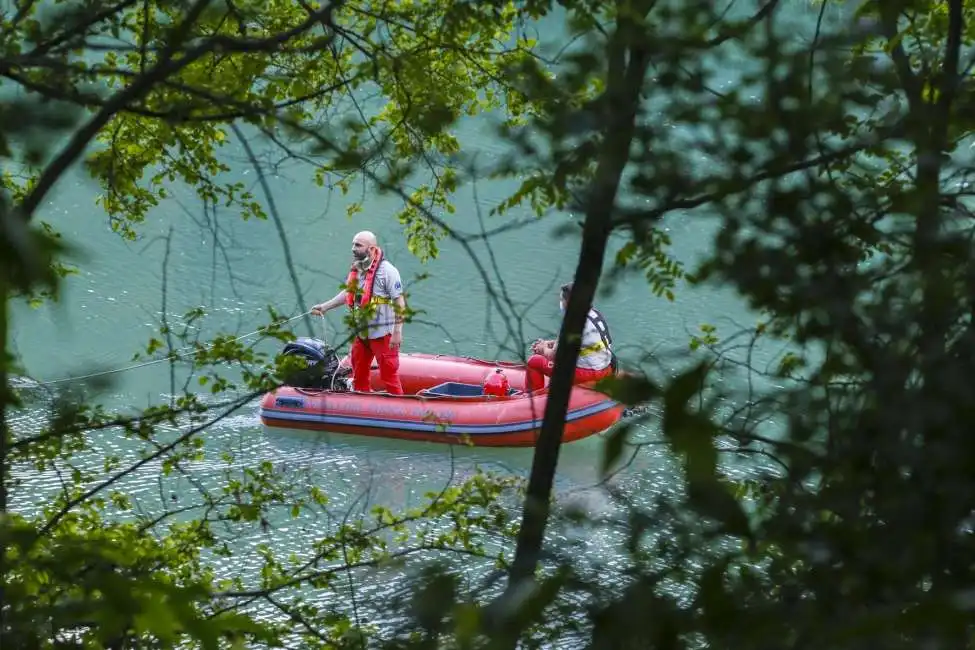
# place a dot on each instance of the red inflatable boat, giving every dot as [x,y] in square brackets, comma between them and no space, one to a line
[444,402]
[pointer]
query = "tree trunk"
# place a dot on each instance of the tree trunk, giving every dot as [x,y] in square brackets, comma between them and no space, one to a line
[627,66]
[5,402]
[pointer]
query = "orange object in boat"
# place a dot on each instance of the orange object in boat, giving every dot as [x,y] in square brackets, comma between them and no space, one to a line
[444,401]
[496,383]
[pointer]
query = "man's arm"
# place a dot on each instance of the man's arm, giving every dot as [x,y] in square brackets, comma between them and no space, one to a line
[334,302]
[394,289]
[400,310]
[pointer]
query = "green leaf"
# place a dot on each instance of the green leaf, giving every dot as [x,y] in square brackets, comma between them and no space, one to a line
[467,623]
[629,389]
[614,446]
[683,388]
[639,523]
[157,620]
[693,438]
[718,608]
[690,433]
[713,499]
[530,610]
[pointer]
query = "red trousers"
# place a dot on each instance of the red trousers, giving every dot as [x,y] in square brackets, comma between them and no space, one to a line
[539,367]
[362,353]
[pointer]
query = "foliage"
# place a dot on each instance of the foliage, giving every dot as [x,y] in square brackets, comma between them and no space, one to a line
[95,566]
[838,167]
[155,84]
[145,95]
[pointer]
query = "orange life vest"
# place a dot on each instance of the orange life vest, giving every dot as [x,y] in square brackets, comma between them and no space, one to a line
[352,282]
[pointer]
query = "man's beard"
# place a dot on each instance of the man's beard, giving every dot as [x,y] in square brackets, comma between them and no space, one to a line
[361,263]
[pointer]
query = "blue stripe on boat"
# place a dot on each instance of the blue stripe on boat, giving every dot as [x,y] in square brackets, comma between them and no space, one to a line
[279,416]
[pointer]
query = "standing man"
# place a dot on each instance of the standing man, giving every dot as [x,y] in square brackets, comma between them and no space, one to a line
[374,292]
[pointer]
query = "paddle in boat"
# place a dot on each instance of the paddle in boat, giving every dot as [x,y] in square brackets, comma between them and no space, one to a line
[449,399]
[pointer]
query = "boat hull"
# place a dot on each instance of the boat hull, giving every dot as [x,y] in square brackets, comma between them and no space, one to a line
[513,421]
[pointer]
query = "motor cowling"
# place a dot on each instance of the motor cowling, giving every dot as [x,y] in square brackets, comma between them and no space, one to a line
[321,363]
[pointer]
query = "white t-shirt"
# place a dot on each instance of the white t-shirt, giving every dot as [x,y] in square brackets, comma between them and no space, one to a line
[388,285]
[599,359]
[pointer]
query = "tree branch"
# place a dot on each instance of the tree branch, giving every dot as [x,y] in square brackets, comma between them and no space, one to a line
[80,29]
[743,28]
[165,67]
[53,521]
[628,63]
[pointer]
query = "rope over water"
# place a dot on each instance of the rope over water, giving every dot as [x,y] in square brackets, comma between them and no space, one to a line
[28,383]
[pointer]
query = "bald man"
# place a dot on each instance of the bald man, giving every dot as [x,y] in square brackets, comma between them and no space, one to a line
[374,287]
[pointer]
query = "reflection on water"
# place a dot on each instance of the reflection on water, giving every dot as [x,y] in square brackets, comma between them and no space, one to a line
[359,472]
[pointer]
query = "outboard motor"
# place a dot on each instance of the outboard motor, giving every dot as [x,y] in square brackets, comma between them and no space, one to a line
[322,364]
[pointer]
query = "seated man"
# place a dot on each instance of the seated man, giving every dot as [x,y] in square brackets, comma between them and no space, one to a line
[596,357]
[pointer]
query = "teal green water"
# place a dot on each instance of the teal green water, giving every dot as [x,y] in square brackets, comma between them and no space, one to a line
[234,268]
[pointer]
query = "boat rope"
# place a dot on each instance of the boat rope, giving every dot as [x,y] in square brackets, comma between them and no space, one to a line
[176,354]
